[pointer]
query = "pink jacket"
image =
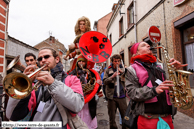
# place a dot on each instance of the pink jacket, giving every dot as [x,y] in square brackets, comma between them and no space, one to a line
[142,75]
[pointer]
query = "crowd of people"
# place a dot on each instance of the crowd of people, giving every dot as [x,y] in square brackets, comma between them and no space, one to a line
[143,83]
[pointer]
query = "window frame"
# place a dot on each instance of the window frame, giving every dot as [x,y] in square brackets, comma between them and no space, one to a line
[129,24]
[121,27]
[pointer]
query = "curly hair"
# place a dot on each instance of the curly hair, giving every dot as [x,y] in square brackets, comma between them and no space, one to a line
[115,56]
[87,24]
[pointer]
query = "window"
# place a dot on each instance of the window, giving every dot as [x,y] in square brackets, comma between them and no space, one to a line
[130,15]
[121,29]
[110,38]
[122,56]
[129,53]
[188,38]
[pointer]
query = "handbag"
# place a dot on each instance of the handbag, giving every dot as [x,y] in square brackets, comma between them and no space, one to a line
[130,119]
[74,122]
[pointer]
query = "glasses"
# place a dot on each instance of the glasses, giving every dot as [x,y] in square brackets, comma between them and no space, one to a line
[45,57]
[30,60]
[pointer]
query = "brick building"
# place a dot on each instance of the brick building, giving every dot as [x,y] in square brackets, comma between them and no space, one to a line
[58,46]
[4,10]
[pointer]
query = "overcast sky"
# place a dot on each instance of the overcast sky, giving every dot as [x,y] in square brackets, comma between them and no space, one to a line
[31,20]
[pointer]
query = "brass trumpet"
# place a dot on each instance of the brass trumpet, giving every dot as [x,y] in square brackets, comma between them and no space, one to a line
[18,85]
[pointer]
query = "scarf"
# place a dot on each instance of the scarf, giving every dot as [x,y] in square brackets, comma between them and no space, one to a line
[144,58]
[54,72]
[57,69]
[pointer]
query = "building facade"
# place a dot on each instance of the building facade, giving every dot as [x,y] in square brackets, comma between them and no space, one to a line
[14,47]
[131,20]
[58,46]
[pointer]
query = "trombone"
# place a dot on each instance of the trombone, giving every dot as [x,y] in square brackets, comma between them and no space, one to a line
[16,63]
[18,85]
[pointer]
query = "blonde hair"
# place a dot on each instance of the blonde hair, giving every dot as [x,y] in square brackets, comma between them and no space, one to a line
[87,24]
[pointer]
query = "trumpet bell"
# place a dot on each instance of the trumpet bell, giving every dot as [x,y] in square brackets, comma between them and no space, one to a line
[17,85]
[16,63]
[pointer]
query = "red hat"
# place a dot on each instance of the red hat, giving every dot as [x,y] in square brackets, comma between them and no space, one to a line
[81,58]
[134,48]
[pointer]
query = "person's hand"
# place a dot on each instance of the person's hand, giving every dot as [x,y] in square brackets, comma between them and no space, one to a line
[120,70]
[99,82]
[164,86]
[115,74]
[71,46]
[176,63]
[45,77]
[30,69]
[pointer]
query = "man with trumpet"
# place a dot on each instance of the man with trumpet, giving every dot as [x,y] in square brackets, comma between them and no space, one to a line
[115,89]
[56,87]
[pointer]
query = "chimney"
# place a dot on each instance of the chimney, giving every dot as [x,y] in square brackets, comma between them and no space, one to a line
[52,39]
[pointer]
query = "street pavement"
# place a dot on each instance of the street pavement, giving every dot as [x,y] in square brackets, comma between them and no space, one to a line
[181,121]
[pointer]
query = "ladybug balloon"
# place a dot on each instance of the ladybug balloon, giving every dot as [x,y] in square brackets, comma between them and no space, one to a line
[95,46]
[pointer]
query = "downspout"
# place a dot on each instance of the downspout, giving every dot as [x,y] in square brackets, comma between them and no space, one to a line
[135,20]
[165,26]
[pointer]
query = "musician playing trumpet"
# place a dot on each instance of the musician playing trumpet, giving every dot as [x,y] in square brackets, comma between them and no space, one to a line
[57,86]
[115,89]
[148,89]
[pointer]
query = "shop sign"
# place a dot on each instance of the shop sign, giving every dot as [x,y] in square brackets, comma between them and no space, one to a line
[178,2]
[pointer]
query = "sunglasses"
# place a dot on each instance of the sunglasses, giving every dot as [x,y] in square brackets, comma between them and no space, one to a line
[30,60]
[45,57]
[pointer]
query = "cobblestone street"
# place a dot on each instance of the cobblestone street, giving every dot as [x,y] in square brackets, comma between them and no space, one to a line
[181,121]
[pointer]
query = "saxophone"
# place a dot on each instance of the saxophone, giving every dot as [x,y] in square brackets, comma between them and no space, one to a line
[180,93]
[89,86]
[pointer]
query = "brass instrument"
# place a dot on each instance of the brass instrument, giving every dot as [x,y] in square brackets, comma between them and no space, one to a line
[16,63]
[18,85]
[180,93]
[96,48]
[91,83]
